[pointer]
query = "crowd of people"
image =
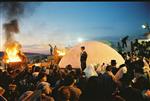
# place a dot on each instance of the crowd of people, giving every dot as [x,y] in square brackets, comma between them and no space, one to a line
[136,48]
[128,82]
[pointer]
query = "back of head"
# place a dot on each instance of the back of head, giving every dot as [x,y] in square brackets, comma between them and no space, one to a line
[44,87]
[64,94]
[37,69]
[69,67]
[69,80]
[108,68]
[43,69]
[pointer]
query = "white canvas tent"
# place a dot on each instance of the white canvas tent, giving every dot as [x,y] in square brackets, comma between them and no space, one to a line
[98,53]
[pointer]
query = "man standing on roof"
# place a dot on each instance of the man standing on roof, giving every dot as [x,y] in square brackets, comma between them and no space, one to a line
[124,41]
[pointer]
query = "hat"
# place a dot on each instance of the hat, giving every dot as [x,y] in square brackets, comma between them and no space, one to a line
[113,62]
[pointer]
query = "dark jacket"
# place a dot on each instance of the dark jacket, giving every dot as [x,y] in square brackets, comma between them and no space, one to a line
[83,56]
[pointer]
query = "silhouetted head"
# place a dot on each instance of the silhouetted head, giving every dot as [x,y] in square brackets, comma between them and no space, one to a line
[82,48]
[113,62]
[108,68]
[64,94]
[69,80]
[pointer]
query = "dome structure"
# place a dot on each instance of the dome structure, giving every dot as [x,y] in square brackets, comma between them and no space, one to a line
[98,53]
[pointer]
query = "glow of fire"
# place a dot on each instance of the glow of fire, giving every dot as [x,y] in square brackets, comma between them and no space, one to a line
[61,52]
[12,55]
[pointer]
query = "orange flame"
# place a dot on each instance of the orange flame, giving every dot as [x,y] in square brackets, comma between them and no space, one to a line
[12,53]
[61,52]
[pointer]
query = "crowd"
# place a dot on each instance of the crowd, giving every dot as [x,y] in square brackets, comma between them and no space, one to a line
[128,82]
[137,48]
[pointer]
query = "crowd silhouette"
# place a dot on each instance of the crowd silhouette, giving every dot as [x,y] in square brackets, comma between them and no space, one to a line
[128,82]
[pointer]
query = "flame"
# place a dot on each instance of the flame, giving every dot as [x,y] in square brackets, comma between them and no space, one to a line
[61,52]
[12,53]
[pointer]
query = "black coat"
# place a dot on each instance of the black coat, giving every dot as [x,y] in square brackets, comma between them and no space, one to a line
[83,56]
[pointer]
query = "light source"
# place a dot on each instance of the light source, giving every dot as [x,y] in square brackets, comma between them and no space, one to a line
[79,39]
[143,26]
[146,26]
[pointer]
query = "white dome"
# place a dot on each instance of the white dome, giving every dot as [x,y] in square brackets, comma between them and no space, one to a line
[98,53]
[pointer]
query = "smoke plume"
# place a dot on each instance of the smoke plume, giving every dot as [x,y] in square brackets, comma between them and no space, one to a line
[11,28]
[12,10]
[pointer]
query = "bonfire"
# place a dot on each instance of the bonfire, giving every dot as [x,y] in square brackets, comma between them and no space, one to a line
[13,58]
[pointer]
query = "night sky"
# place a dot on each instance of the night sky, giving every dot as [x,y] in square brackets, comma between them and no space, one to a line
[67,23]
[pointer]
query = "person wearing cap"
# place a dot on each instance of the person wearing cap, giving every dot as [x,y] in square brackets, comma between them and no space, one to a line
[83,58]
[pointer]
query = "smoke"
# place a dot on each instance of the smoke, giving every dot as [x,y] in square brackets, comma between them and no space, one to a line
[13,10]
[11,28]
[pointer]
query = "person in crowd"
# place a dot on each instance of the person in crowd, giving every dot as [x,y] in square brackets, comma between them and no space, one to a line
[83,58]
[69,84]
[119,48]
[2,98]
[64,94]
[114,69]
[25,95]
[42,93]
[91,92]
[130,82]
[68,68]
[122,70]
[90,71]
[56,55]
[109,73]
[51,49]
[124,41]
[12,93]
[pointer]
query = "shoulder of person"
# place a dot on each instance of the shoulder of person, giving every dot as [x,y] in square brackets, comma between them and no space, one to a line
[47,98]
[75,90]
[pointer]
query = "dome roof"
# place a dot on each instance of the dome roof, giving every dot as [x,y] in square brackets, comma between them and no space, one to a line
[98,53]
